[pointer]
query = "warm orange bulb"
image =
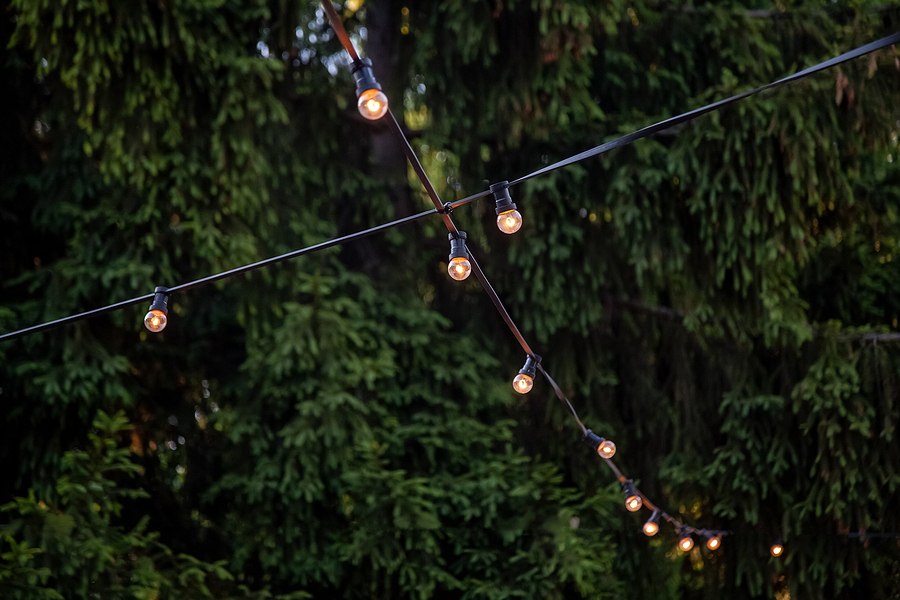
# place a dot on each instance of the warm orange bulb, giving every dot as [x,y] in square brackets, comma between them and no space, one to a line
[607,449]
[650,528]
[509,221]
[714,542]
[633,503]
[523,383]
[686,543]
[372,104]
[459,268]
[777,550]
[155,321]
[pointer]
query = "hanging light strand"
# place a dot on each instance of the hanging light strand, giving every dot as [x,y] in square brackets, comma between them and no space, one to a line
[362,72]
[444,210]
[218,276]
[680,527]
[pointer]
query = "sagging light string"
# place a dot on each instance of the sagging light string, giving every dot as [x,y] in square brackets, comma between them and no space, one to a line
[373,104]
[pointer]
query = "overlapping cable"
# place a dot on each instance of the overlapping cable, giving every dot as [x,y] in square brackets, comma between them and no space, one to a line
[444,211]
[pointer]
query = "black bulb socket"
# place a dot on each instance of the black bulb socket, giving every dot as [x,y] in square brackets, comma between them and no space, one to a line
[530,368]
[502,198]
[160,300]
[364,77]
[593,440]
[628,488]
[458,245]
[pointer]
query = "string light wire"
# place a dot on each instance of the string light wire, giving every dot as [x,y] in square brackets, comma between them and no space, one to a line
[444,211]
[218,276]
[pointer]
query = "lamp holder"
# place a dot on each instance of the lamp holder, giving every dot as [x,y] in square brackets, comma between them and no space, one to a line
[364,77]
[160,300]
[458,245]
[530,367]
[502,198]
[593,440]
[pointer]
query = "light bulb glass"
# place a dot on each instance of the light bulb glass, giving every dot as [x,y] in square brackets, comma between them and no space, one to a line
[372,104]
[509,221]
[686,543]
[607,449]
[714,542]
[777,550]
[633,503]
[650,528]
[155,321]
[523,383]
[459,268]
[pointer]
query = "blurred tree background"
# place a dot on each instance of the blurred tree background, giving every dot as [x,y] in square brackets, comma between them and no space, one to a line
[720,300]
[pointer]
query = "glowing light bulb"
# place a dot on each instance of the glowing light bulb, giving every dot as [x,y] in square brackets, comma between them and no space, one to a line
[459,268]
[714,542]
[633,503]
[155,321]
[372,104]
[509,221]
[686,543]
[607,449]
[651,527]
[523,383]
[777,549]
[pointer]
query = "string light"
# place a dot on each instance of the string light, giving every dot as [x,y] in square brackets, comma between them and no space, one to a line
[371,101]
[156,318]
[605,448]
[651,527]
[459,267]
[373,104]
[509,220]
[633,500]
[685,541]
[524,381]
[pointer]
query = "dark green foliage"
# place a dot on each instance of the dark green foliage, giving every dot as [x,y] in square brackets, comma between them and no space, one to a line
[717,299]
[71,549]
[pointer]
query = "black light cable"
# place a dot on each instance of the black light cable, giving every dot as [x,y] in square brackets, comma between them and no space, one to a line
[688,116]
[210,279]
[693,114]
[373,104]
[445,209]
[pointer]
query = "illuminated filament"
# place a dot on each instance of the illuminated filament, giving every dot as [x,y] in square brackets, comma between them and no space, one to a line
[523,383]
[155,321]
[607,449]
[633,503]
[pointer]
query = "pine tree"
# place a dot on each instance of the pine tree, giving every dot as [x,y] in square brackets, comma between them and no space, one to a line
[716,299]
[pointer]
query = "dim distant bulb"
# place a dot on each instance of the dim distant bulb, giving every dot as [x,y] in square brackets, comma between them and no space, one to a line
[509,221]
[607,449]
[714,542]
[459,268]
[155,321]
[523,383]
[633,503]
[686,543]
[650,528]
[372,104]
[777,549]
